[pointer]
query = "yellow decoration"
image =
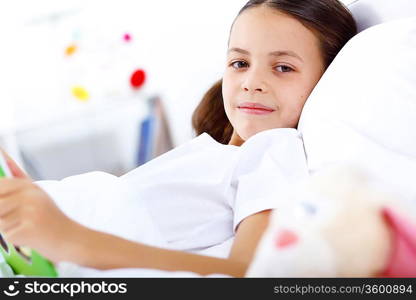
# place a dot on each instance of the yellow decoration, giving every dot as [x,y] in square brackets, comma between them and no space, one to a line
[80,93]
[71,50]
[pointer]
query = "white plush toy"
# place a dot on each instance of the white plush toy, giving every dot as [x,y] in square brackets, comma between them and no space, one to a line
[333,226]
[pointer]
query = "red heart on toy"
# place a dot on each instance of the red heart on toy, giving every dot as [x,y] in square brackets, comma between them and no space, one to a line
[286,238]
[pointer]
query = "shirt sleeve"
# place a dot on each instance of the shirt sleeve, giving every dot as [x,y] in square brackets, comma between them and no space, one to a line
[270,165]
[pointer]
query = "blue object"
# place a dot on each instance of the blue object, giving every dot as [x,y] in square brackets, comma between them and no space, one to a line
[146,140]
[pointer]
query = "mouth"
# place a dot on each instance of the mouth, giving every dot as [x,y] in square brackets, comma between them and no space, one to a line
[255,108]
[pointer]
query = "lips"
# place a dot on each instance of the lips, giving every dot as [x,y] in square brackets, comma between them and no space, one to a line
[255,108]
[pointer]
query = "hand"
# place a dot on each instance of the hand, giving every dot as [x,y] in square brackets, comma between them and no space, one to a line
[29,217]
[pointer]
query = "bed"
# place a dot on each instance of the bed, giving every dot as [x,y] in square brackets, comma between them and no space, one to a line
[332,132]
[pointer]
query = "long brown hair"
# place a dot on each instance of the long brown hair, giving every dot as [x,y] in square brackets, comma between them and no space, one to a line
[330,20]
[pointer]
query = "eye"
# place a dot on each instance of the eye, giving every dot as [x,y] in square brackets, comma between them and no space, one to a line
[284,69]
[239,64]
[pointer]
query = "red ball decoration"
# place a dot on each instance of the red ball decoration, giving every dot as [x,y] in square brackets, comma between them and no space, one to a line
[138,78]
[127,37]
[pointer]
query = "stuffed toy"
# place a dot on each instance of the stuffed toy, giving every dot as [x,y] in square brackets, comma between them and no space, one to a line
[338,224]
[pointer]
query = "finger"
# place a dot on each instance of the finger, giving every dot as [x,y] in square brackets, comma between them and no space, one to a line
[7,206]
[13,234]
[14,168]
[11,185]
[9,222]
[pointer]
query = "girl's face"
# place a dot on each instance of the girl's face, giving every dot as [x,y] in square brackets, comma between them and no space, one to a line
[273,63]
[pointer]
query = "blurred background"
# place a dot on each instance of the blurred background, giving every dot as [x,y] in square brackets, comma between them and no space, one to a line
[105,85]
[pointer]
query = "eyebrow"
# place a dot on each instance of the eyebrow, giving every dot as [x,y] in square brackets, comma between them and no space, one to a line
[274,53]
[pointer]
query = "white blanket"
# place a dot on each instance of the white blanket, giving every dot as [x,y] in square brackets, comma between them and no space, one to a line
[98,201]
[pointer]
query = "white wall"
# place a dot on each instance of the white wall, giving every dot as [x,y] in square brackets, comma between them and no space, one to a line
[181,44]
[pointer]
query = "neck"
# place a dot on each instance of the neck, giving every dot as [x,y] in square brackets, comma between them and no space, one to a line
[235,140]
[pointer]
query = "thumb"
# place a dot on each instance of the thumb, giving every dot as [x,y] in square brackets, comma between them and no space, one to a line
[14,168]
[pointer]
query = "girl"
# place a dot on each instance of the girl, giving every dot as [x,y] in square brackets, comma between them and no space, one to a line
[210,189]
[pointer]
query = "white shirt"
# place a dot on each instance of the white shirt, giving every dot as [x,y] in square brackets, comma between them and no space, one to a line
[194,196]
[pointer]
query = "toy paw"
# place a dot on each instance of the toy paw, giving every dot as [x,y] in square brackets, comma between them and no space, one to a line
[402,259]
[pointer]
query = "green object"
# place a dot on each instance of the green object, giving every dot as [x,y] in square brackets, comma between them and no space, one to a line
[22,260]
[5,270]
[30,263]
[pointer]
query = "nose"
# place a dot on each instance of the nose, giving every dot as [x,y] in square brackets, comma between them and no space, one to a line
[254,81]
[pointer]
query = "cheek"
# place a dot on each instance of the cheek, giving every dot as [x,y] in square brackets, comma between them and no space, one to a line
[293,111]
[227,93]
[297,106]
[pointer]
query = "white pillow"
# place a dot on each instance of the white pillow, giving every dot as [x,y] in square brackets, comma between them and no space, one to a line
[372,12]
[363,110]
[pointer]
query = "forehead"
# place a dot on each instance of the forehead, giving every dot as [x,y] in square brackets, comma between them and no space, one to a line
[264,29]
